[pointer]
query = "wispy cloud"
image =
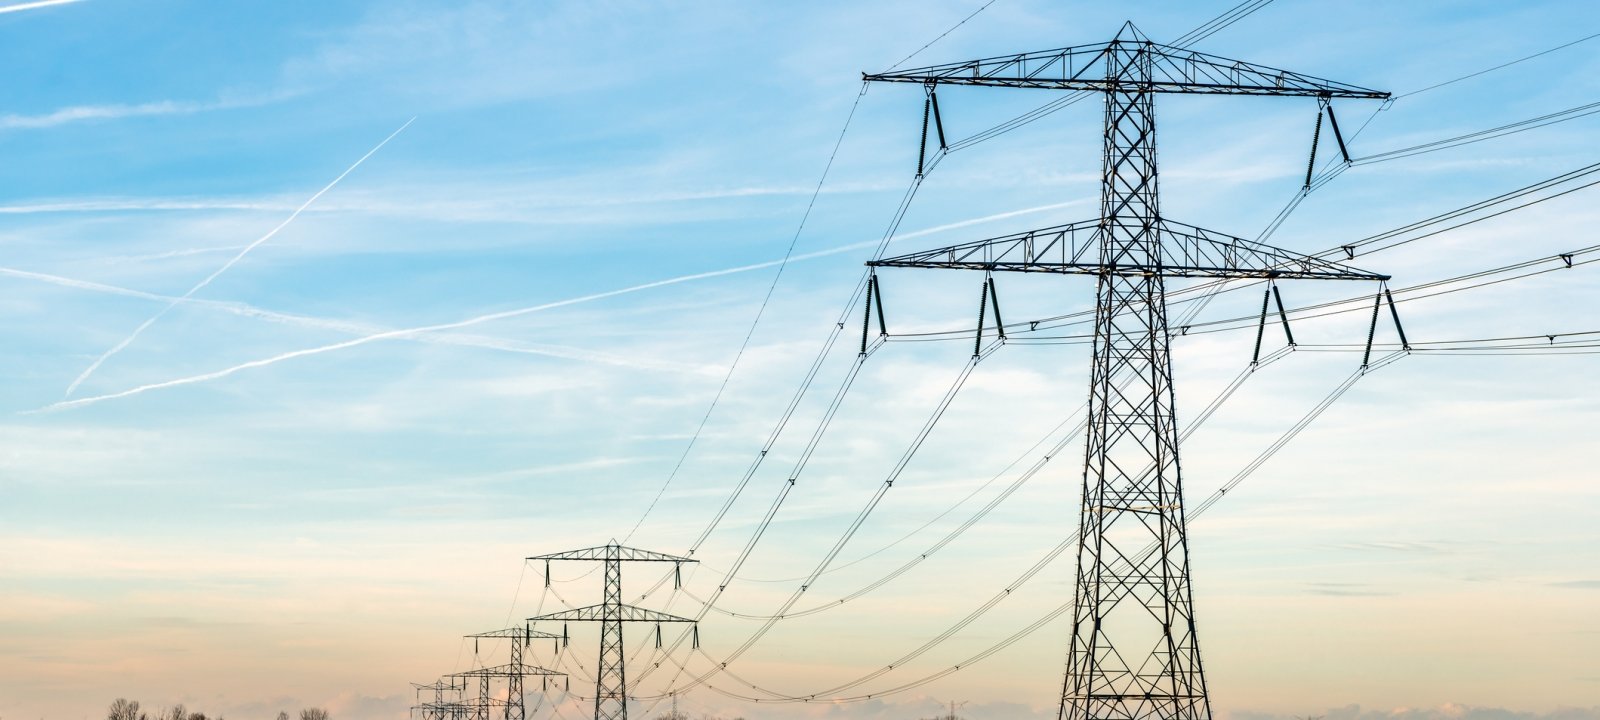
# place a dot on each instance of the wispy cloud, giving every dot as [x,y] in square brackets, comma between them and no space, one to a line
[19,7]
[1578,584]
[81,113]
[183,252]
[136,204]
[230,263]
[507,314]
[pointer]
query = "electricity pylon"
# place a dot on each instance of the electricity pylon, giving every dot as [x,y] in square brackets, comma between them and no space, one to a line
[611,686]
[440,708]
[485,702]
[514,672]
[1134,653]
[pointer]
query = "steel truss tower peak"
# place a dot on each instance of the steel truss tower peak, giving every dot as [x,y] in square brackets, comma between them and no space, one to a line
[1134,652]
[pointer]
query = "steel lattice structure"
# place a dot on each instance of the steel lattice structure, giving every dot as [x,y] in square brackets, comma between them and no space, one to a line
[514,672]
[440,708]
[611,686]
[1134,652]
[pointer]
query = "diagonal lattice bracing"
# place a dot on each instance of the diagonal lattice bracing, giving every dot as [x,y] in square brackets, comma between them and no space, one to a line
[515,706]
[611,682]
[1185,251]
[1102,67]
[1134,653]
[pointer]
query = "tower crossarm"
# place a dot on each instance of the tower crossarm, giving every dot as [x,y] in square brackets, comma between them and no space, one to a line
[625,613]
[1134,651]
[516,632]
[623,553]
[1186,251]
[1086,67]
[507,671]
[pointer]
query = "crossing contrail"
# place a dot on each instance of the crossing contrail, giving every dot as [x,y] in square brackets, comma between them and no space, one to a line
[476,341]
[506,314]
[225,266]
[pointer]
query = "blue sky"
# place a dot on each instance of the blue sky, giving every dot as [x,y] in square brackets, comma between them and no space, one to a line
[276,517]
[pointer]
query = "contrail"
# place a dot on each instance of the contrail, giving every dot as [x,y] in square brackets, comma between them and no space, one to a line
[502,315]
[33,5]
[230,263]
[80,284]
[251,311]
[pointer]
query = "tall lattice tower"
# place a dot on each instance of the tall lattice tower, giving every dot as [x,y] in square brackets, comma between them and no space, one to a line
[1134,653]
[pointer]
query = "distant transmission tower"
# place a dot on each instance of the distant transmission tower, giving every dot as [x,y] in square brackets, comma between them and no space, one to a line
[611,686]
[514,672]
[441,708]
[1134,653]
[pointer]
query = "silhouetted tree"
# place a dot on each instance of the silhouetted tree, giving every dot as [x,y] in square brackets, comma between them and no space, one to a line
[314,714]
[283,715]
[125,709]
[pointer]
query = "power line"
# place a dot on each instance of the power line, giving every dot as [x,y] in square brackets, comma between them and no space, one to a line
[1513,128]
[760,312]
[1526,58]
[1453,228]
[942,35]
[732,573]
[1205,30]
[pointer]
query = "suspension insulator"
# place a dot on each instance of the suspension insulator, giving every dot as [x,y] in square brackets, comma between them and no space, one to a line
[1311,164]
[922,148]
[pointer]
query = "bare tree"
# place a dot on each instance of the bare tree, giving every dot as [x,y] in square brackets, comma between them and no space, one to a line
[283,715]
[124,709]
[315,714]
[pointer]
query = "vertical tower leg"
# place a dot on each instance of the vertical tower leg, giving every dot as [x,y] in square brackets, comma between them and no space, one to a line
[1133,653]
[611,687]
[515,710]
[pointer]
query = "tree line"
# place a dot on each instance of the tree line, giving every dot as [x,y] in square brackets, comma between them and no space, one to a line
[125,709]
